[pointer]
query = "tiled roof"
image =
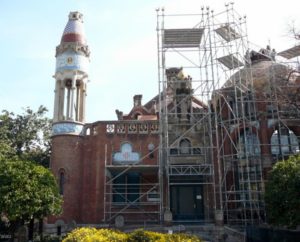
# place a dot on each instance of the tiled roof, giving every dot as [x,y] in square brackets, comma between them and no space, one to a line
[74,31]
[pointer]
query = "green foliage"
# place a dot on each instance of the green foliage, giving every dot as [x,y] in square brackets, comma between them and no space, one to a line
[6,149]
[26,135]
[140,235]
[183,237]
[283,193]
[27,191]
[95,235]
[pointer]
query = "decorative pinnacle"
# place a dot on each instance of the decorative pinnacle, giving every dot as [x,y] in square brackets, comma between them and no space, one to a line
[76,16]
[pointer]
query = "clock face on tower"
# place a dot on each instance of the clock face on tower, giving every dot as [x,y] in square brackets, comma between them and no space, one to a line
[71,61]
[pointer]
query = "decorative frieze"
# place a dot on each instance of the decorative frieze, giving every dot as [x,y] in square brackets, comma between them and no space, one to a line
[121,128]
[132,128]
[110,128]
[67,128]
[143,128]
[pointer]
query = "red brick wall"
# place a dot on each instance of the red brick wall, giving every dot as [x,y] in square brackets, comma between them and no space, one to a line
[83,158]
[67,155]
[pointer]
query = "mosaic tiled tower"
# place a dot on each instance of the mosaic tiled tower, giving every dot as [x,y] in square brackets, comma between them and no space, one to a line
[71,75]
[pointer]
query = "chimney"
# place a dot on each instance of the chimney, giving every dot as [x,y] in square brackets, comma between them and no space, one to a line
[137,100]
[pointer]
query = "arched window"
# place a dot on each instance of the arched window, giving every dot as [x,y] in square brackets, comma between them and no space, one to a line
[284,142]
[88,131]
[248,145]
[61,181]
[185,146]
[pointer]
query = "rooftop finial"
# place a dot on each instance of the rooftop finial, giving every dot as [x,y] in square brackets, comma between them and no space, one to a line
[76,16]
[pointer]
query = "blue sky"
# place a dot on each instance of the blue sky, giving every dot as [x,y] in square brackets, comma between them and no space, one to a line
[122,40]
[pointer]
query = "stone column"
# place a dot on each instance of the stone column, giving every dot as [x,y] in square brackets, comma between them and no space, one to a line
[72,97]
[78,102]
[61,101]
[56,101]
[68,103]
[83,100]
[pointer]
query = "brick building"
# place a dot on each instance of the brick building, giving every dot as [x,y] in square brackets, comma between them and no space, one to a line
[197,152]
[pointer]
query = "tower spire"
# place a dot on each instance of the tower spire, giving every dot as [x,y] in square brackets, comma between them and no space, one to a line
[71,75]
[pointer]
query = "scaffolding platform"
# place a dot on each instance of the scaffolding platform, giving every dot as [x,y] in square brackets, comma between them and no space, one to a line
[230,61]
[291,52]
[182,38]
[188,170]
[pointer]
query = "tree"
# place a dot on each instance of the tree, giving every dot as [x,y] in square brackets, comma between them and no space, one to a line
[292,30]
[27,135]
[28,191]
[282,194]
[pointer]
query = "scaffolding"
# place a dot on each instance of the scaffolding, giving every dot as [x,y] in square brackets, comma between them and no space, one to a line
[235,112]
[131,186]
[218,102]
[185,85]
[225,110]
[283,104]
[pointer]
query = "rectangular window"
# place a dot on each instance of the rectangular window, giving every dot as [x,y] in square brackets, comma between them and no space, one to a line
[133,187]
[119,189]
[196,151]
[126,188]
[173,151]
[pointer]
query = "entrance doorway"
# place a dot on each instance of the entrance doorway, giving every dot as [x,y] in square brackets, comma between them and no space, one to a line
[187,202]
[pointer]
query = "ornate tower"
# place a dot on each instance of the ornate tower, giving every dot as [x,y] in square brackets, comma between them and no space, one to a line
[179,91]
[71,75]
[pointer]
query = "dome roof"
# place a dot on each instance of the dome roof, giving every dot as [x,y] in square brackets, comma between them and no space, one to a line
[264,74]
[74,30]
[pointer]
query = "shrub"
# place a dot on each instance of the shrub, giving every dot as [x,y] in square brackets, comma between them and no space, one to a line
[183,238]
[282,193]
[139,235]
[95,235]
